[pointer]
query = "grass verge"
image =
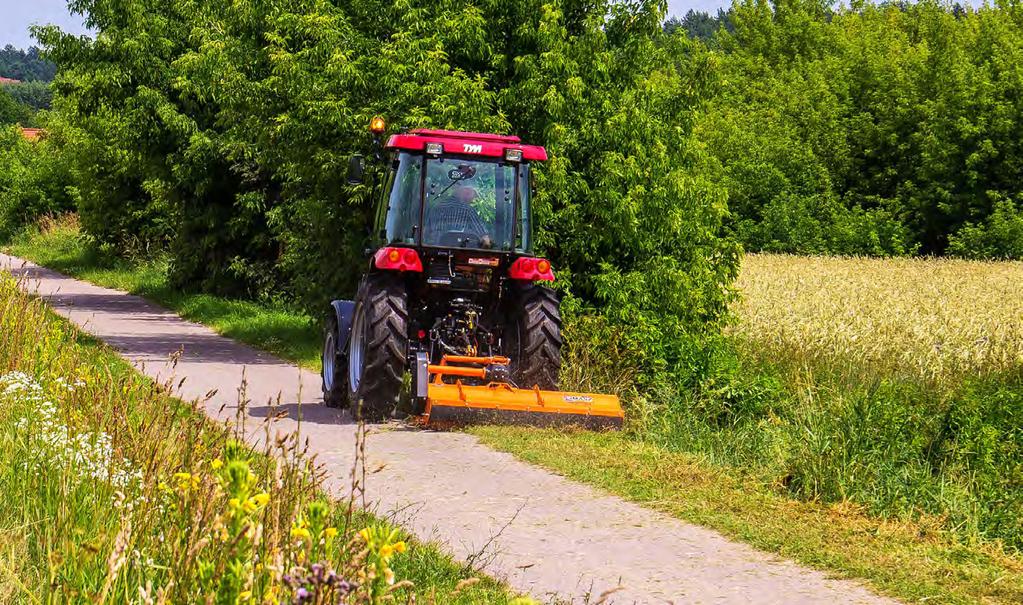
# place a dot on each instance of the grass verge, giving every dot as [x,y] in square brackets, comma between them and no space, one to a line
[275,328]
[911,560]
[116,492]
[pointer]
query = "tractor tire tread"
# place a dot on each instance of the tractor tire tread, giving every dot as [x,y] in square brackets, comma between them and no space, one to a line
[386,344]
[539,327]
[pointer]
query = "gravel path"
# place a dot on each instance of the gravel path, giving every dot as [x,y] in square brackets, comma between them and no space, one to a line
[554,538]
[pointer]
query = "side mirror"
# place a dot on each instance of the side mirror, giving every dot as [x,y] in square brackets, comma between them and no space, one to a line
[356,170]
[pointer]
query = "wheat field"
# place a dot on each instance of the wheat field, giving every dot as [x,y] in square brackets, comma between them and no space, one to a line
[932,319]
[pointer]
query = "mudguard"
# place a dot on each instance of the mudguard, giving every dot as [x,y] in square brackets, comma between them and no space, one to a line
[344,310]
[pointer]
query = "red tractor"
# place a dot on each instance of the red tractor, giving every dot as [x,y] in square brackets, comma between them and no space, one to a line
[452,295]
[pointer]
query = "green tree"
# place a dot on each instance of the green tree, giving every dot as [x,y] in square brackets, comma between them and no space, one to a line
[36,95]
[25,65]
[221,131]
[13,112]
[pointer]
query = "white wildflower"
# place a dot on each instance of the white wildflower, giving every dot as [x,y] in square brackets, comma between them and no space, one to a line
[51,442]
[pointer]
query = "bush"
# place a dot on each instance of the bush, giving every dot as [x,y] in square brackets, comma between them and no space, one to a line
[35,180]
[820,224]
[1000,236]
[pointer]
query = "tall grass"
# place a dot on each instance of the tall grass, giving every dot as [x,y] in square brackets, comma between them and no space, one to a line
[115,492]
[894,385]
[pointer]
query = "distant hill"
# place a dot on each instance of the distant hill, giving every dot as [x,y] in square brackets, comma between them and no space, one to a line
[25,65]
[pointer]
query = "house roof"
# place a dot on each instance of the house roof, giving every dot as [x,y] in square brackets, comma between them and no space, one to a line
[32,134]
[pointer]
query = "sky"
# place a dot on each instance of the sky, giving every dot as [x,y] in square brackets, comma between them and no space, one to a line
[17,15]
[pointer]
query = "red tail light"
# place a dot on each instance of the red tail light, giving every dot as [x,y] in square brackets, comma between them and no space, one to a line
[531,269]
[398,259]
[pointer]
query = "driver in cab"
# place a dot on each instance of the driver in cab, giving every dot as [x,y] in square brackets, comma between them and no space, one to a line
[454,216]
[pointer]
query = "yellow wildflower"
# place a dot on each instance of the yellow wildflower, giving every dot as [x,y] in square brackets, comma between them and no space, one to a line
[261,499]
[234,503]
[364,534]
[186,480]
[301,532]
[399,547]
[330,532]
[217,463]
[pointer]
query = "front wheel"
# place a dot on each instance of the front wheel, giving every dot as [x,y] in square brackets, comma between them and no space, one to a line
[377,347]
[532,338]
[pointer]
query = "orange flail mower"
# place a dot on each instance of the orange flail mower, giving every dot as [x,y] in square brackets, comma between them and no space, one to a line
[493,398]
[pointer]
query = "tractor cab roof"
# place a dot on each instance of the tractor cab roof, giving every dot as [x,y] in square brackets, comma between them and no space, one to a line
[465,143]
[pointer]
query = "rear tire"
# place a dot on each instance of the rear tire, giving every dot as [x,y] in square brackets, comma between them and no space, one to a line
[332,367]
[377,347]
[532,338]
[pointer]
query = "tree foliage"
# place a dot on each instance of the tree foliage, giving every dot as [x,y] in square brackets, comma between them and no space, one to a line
[700,25]
[876,129]
[12,111]
[36,95]
[34,180]
[220,131]
[25,65]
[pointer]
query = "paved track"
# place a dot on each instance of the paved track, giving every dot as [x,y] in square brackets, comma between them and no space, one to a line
[557,538]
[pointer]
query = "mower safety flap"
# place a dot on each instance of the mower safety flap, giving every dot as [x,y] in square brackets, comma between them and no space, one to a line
[501,403]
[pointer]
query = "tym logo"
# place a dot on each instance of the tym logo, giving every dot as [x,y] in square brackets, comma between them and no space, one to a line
[472,148]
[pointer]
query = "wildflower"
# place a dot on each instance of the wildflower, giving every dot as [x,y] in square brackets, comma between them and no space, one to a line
[186,481]
[217,464]
[51,442]
[301,533]
[330,532]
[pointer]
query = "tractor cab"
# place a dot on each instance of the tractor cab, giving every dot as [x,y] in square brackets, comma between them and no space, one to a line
[458,191]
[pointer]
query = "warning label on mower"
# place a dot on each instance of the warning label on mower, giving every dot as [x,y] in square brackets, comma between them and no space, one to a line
[578,399]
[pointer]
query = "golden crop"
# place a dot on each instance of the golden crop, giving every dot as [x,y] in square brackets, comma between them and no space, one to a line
[934,319]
